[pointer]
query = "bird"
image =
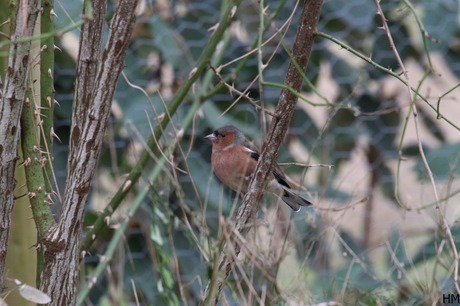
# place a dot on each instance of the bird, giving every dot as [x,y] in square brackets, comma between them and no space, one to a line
[234,159]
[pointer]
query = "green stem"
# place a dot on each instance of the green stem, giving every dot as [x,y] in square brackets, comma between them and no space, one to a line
[173,106]
[33,159]
[47,87]
[119,233]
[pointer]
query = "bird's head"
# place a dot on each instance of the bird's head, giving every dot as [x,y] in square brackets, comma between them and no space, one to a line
[226,136]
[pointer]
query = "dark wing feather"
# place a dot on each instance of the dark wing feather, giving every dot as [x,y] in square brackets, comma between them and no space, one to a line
[280,178]
[252,148]
[277,172]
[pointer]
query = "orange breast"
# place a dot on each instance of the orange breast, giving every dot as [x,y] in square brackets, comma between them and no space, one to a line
[233,168]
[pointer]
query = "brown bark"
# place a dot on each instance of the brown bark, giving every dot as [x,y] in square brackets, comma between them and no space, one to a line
[90,116]
[301,52]
[11,101]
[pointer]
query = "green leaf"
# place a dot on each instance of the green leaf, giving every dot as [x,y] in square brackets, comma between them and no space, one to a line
[382,52]
[351,243]
[303,126]
[431,124]
[382,126]
[430,249]
[164,39]
[344,74]
[386,180]
[341,138]
[352,15]
[444,162]
[440,21]
[155,234]
[411,150]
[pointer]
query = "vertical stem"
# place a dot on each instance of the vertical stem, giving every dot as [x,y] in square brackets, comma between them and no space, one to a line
[47,88]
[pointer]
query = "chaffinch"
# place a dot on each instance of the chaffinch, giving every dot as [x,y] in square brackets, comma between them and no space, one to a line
[234,160]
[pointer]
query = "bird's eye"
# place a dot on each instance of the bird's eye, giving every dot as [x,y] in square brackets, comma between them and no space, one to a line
[223,135]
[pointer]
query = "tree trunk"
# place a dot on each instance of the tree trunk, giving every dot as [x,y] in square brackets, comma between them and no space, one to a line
[90,115]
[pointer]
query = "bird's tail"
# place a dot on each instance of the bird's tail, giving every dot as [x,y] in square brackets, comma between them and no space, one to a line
[294,200]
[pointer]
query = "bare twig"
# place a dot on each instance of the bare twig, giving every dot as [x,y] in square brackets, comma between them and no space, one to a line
[301,52]
[244,94]
[442,219]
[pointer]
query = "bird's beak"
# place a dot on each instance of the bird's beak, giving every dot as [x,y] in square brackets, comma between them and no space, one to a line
[211,137]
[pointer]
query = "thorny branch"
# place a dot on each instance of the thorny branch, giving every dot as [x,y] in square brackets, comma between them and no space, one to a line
[11,101]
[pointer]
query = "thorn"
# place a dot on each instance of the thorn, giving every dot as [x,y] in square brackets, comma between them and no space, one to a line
[54,135]
[160,118]
[233,11]
[43,161]
[214,27]
[192,72]
[40,107]
[8,21]
[180,134]
[49,202]
[56,102]
[27,162]
[265,10]
[57,48]
[53,14]
[50,74]
[126,186]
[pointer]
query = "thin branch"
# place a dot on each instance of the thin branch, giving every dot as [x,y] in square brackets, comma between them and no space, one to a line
[244,94]
[301,52]
[443,221]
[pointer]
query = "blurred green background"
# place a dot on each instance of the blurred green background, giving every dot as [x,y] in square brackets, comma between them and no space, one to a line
[373,236]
